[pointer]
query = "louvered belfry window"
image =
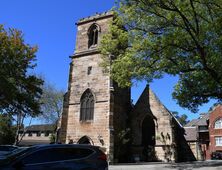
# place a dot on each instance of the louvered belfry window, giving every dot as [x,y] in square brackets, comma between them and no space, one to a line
[93,35]
[87,106]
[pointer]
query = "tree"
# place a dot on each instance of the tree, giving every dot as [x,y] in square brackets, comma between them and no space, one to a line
[181,118]
[7,130]
[180,38]
[52,104]
[20,91]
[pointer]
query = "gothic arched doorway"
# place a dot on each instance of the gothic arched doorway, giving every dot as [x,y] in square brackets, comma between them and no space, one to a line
[148,138]
[85,140]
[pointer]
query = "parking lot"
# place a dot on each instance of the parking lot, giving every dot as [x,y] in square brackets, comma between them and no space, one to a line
[200,165]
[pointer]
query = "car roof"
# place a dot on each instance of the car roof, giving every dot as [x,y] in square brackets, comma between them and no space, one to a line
[65,146]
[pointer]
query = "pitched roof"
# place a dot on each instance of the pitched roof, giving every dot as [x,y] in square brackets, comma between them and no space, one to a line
[46,127]
[30,142]
[144,105]
[191,123]
[190,133]
[201,121]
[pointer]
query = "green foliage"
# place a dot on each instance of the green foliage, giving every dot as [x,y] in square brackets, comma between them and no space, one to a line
[19,91]
[52,138]
[7,130]
[181,118]
[182,38]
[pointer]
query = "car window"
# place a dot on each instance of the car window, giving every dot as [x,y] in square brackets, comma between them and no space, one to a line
[41,156]
[75,153]
[56,154]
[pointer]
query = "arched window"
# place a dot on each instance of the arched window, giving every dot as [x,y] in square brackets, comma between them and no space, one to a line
[93,34]
[218,124]
[87,106]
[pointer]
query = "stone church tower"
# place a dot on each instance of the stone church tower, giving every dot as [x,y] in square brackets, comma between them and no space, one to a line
[97,112]
[95,108]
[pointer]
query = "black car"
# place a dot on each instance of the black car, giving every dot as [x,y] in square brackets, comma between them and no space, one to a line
[56,157]
[5,149]
[216,155]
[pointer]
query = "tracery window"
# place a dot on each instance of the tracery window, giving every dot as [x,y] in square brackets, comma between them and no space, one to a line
[93,35]
[87,106]
[218,124]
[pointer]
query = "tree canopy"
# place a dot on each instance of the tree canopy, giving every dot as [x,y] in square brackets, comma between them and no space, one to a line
[181,118]
[7,130]
[150,38]
[20,91]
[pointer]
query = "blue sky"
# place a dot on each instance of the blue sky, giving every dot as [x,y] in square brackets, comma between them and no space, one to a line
[50,24]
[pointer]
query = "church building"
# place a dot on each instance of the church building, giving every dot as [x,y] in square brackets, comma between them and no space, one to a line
[98,112]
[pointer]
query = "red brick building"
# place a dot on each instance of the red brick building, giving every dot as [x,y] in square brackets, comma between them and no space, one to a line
[215,129]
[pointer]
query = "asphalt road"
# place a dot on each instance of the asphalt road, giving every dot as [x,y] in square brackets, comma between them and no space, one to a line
[200,165]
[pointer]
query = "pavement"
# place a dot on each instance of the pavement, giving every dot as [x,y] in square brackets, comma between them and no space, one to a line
[199,165]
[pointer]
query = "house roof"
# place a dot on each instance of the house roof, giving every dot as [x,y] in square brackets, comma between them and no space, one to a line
[191,123]
[190,133]
[201,121]
[46,127]
[31,142]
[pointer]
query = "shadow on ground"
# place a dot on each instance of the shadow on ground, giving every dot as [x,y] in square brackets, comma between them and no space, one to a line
[195,164]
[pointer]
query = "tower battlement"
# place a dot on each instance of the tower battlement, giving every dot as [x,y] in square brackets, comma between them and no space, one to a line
[96,16]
